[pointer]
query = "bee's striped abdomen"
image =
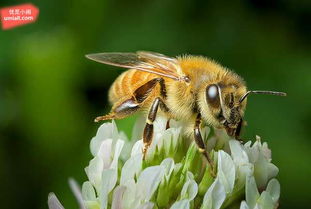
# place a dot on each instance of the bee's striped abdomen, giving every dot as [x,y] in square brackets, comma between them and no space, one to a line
[125,85]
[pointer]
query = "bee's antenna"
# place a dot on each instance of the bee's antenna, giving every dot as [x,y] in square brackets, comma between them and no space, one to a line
[220,98]
[261,92]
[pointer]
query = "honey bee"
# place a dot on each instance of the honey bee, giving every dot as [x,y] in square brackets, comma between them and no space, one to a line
[192,89]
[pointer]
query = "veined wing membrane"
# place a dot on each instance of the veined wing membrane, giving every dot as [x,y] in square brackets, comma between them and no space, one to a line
[144,61]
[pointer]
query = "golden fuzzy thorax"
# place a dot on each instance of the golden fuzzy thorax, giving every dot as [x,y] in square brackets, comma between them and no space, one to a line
[184,99]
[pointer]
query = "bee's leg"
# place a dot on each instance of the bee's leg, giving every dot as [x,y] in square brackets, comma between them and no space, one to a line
[167,124]
[109,116]
[127,107]
[238,132]
[163,88]
[144,91]
[200,143]
[121,110]
[148,131]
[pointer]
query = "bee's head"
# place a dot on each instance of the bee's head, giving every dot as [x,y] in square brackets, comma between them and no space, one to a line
[225,105]
[222,107]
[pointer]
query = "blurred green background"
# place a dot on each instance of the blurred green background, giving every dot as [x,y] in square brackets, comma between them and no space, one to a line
[50,93]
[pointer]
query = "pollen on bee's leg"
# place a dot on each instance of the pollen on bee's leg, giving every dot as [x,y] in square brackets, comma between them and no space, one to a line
[201,150]
[148,121]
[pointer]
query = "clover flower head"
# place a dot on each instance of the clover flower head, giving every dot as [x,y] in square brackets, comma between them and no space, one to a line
[174,174]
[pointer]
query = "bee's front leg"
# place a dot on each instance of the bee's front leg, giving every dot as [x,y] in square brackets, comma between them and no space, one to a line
[200,143]
[238,132]
[148,131]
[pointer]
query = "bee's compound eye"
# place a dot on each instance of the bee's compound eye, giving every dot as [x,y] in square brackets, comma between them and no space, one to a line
[212,95]
[212,92]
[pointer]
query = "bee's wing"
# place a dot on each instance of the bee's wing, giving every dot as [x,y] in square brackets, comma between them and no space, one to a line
[144,61]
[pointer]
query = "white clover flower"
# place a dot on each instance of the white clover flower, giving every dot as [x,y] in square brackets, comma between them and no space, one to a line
[174,174]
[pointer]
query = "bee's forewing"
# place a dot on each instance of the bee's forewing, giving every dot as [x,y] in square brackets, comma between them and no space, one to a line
[144,61]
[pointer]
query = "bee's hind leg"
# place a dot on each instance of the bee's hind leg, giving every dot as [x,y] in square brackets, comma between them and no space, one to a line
[128,106]
[121,110]
[200,143]
[148,131]
[109,116]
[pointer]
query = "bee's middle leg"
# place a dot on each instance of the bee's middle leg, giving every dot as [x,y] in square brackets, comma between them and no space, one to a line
[200,142]
[148,131]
